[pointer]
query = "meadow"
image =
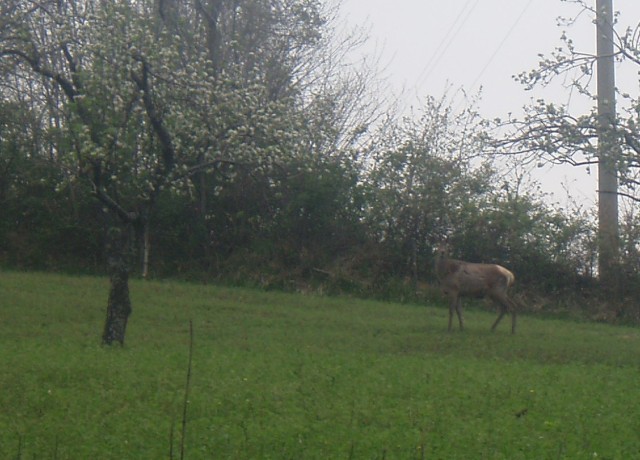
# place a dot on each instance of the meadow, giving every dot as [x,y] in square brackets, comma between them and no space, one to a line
[289,376]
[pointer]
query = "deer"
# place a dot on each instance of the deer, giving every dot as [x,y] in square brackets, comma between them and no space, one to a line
[466,279]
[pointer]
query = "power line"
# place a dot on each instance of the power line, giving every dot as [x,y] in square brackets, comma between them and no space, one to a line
[446,41]
[501,44]
[498,48]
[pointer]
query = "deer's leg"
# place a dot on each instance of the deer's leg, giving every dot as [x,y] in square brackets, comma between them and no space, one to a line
[503,310]
[513,316]
[459,312]
[506,305]
[452,303]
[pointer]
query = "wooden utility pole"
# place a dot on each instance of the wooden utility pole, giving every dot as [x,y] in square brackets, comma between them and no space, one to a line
[608,240]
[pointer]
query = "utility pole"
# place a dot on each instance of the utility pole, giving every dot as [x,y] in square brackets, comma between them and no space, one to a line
[608,240]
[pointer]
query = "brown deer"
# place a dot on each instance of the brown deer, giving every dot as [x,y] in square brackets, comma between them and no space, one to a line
[466,279]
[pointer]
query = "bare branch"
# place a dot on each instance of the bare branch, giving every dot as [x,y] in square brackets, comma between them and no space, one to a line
[165,138]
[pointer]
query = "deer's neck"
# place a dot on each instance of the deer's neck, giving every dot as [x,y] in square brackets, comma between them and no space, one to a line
[445,266]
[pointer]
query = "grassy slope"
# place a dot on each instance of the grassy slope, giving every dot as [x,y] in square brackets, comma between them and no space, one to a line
[288,376]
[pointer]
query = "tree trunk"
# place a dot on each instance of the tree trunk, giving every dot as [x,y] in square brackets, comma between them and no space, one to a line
[202,182]
[119,303]
[414,261]
[146,249]
[118,308]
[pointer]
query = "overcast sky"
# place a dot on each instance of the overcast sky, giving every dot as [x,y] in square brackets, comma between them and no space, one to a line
[430,47]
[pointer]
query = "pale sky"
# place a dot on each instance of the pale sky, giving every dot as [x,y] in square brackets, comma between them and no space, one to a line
[430,47]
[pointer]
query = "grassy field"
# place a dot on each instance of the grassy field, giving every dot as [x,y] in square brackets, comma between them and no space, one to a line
[285,376]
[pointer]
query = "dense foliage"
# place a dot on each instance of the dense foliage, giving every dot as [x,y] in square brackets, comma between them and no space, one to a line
[228,140]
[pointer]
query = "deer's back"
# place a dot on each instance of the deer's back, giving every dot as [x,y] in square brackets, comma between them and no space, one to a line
[475,279]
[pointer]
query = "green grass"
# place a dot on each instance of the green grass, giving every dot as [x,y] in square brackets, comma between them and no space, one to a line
[287,376]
